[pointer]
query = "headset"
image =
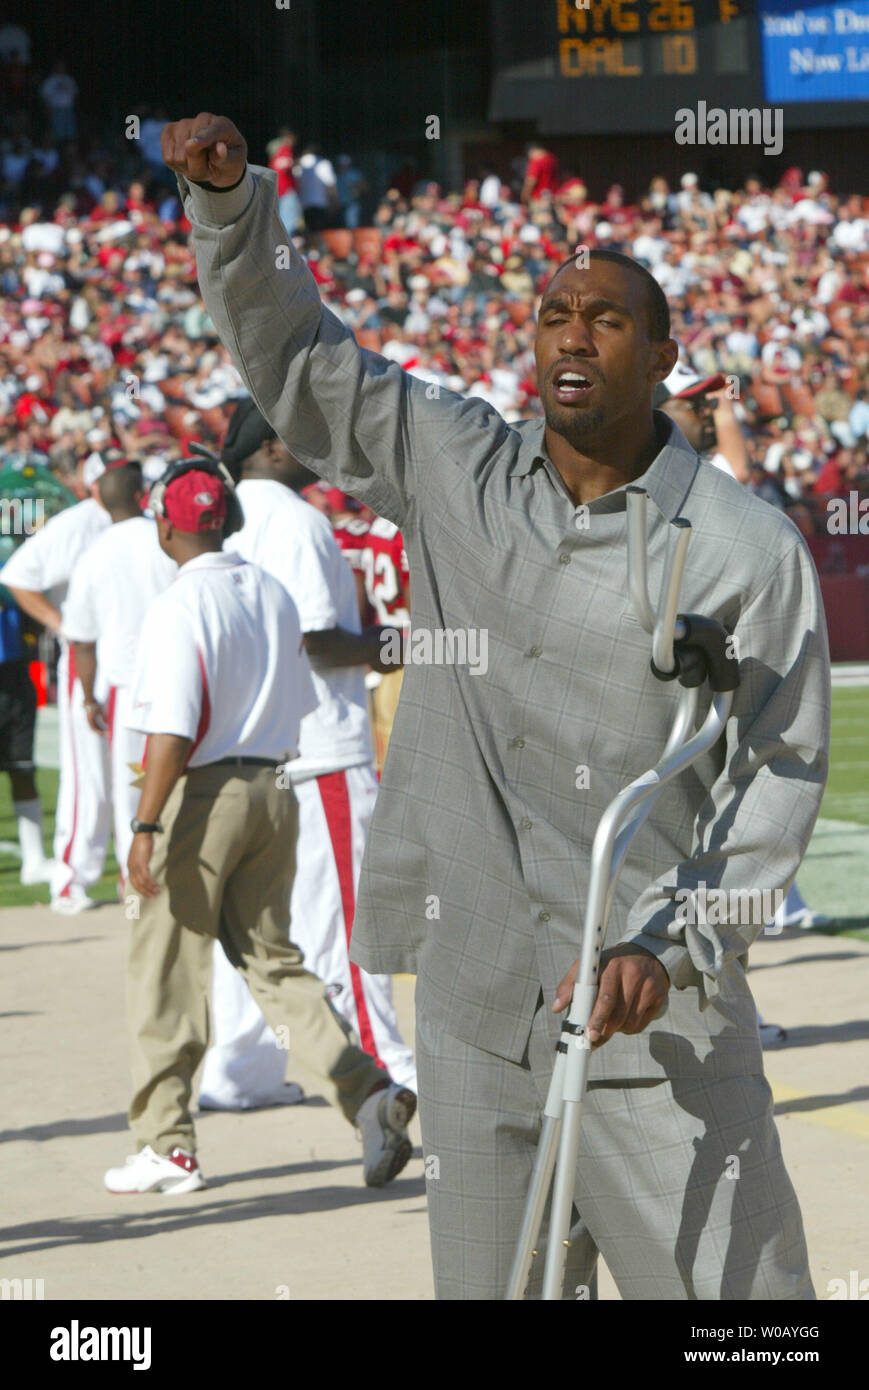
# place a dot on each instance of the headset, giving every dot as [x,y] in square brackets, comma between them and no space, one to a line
[205,462]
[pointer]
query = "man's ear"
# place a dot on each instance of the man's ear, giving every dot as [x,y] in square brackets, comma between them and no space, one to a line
[666,355]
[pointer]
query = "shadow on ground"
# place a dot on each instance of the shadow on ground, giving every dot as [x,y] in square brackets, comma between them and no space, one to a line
[195,1210]
[809,1103]
[855,1030]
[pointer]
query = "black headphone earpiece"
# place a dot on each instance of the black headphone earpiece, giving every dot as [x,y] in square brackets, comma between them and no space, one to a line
[204,462]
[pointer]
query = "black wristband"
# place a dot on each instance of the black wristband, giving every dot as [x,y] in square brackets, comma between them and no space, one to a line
[212,187]
[142,827]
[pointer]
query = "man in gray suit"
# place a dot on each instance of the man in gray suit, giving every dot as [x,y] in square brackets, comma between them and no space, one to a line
[476,870]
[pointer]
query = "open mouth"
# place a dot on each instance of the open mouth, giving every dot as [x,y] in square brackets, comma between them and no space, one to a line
[571,386]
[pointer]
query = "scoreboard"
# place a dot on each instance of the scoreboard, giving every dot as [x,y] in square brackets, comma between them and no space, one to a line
[636,38]
[626,66]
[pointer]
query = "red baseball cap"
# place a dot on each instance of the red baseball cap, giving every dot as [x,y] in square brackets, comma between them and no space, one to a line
[339,501]
[684,382]
[196,502]
[113,458]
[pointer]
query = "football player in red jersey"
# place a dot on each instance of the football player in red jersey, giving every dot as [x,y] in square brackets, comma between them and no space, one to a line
[374,548]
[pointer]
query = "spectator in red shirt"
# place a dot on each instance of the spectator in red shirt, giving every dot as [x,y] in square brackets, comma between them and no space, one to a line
[830,476]
[541,173]
[136,205]
[282,158]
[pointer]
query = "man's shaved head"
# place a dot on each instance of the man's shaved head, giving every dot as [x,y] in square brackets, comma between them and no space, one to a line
[120,488]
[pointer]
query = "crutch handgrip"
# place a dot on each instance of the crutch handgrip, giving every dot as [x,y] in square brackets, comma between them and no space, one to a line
[719,663]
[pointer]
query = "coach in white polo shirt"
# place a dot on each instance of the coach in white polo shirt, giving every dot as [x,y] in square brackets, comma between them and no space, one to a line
[334,780]
[37,576]
[112,588]
[220,686]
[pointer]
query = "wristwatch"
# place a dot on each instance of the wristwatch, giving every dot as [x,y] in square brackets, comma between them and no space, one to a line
[144,827]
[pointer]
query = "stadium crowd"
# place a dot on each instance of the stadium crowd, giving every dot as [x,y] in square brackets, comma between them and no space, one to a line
[105,343]
[104,339]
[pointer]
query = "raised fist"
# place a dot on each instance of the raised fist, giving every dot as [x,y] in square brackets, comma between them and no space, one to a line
[205,149]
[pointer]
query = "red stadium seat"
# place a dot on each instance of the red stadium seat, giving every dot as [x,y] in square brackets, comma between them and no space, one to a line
[175,418]
[769,401]
[799,399]
[173,389]
[339,242]
[367,241]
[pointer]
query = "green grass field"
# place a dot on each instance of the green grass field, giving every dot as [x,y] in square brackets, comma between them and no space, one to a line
[847,794]
[833,879]
[11,892]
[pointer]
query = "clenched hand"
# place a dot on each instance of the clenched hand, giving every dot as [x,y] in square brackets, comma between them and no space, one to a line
[205,149]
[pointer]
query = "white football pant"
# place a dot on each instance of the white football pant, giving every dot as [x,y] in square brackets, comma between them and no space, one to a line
[245,1065]
[83,815]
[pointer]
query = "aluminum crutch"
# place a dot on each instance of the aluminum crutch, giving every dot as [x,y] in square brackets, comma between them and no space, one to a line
[556,1158]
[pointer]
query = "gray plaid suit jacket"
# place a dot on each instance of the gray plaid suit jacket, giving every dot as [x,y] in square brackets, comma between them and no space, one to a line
[476,870]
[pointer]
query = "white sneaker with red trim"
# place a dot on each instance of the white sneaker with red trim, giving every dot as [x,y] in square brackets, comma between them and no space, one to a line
[148,1171]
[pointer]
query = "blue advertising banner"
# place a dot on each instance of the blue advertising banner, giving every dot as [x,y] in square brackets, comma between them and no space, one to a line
[815,52]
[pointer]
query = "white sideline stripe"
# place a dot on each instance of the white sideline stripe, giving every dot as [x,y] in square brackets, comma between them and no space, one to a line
[850,673]
[46,744]
[10,847]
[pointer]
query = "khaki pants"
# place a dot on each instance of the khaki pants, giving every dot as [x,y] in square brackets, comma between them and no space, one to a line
[385,702]
[225,865]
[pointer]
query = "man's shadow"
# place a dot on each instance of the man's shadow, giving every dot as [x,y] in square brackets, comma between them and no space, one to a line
[753,1225]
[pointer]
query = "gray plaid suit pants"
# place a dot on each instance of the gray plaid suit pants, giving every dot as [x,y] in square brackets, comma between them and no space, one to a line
[681,1184]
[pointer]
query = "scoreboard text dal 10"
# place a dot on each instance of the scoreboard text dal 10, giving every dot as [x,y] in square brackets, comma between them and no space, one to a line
[643,38]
